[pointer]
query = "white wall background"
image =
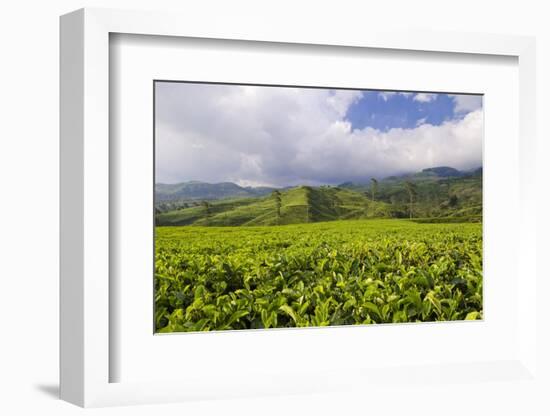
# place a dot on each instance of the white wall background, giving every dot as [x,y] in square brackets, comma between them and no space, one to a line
[29,182]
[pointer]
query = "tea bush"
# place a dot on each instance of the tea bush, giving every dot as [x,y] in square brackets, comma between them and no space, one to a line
[333,273]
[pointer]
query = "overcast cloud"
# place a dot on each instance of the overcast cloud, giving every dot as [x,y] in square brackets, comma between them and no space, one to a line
[289,136]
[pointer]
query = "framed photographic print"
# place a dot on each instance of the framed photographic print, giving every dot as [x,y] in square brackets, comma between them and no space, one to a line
[280,207]
[273,214]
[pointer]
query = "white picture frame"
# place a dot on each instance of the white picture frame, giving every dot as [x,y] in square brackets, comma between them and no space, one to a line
[85,353]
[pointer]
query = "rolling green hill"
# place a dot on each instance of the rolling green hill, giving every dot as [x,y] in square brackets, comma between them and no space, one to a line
[298,205]
[440,194]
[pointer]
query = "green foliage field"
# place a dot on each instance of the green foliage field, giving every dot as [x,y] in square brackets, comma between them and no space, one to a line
[316,274]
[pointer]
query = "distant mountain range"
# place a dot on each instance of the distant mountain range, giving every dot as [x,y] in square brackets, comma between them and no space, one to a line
[440,193]
[195,190]
[439,172]
[198,191]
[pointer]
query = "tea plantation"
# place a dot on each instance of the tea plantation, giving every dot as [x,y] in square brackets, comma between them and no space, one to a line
[350,272]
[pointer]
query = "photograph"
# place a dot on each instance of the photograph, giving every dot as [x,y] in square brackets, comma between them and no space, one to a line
[282,206]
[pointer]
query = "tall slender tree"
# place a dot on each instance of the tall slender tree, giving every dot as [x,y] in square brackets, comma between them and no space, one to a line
[411,190]
[308,201]
[373,188]
[367,197]
[207,210]
[453,201]
[278,202]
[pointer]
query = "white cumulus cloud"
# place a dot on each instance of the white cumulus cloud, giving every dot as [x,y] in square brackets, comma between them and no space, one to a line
[423,97]
[289,136]
[421,121]
[466,103]
[386,95]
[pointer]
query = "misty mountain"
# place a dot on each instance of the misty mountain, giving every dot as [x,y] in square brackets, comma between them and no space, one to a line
[196,190]
[434,173]
[445,199]
[444,171]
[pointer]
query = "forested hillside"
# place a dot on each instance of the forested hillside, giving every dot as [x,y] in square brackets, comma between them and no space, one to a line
[435,194]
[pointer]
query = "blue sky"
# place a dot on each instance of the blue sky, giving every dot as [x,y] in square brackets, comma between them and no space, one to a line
[284,136]
[383,111]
